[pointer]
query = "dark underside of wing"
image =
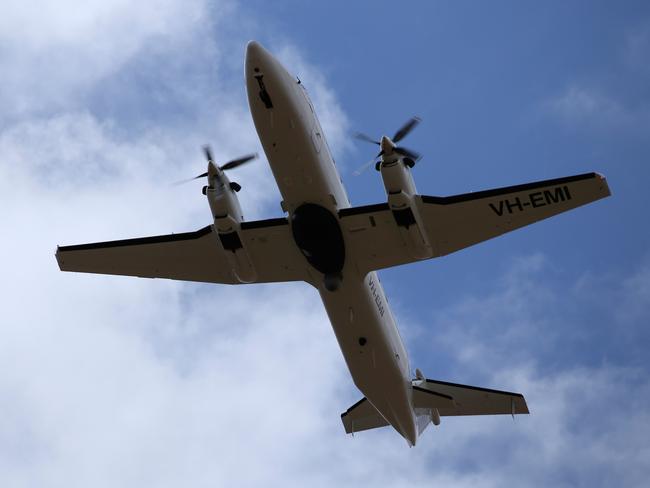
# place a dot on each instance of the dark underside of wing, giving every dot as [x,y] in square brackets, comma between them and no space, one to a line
[191,256]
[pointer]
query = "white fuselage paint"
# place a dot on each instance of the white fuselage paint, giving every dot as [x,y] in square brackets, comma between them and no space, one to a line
[305,172]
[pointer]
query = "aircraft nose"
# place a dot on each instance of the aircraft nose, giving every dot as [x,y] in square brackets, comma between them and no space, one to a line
[255,53]
[252,47]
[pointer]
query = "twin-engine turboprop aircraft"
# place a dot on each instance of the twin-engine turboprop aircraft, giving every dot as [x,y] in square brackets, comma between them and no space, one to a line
[338,248]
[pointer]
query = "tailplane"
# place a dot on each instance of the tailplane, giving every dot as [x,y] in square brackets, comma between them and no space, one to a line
[471,400]
[362,416]
[433,399]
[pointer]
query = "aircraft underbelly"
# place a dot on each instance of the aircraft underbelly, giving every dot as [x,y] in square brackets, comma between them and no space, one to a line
[291,136]
[300,173]
[372,350]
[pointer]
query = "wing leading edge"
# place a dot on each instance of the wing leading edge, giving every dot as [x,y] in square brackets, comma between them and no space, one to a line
[456,222]
[192,256]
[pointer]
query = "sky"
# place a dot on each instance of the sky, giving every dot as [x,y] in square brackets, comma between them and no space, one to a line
[114,381]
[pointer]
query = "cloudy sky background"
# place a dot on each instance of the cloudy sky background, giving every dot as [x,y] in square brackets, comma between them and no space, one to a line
[108,381]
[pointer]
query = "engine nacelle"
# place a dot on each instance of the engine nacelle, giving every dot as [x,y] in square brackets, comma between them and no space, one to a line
[401,192]
[227,215]
[435,416]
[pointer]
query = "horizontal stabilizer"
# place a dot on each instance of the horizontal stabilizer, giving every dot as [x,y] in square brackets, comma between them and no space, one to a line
[474,400]
[362,416]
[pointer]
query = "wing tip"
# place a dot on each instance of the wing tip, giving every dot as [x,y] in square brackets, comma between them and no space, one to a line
[59,258]
[604,185]
[520,406]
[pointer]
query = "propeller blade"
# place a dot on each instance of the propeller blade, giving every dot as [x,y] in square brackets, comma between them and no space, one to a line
[362,169]
[238,162]
[407,152]
[213,169]
[208,154]
[406,128]
[182,182]
[362,137]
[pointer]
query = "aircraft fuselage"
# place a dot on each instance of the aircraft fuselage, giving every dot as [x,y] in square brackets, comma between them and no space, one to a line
[313,193]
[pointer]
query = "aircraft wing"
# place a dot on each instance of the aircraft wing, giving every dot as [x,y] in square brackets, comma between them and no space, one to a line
[192,256]
[456,222]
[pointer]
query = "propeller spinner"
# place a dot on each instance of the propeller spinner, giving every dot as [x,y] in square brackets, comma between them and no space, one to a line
[215,172]
[388,145]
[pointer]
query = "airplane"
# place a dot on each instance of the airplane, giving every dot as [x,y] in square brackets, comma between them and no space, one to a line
[338,248]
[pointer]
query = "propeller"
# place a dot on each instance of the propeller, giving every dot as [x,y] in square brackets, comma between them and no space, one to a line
[230,164]
[362,137]
[403,131]
[389,145]
[409,153]
[215,171]
[363,168]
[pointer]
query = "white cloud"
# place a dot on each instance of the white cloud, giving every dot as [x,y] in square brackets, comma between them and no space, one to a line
[613,100]
[53,53]
[109,381]
[522,335]
[635,304]
[583,107]
[637,48]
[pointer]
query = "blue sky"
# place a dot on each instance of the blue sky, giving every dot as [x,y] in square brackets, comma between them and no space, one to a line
[109,381]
